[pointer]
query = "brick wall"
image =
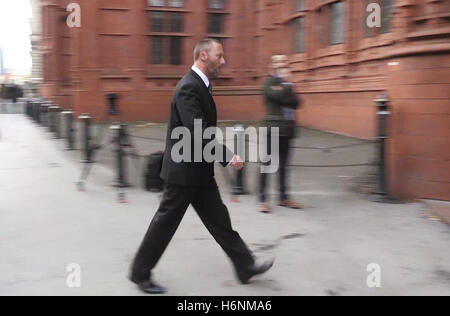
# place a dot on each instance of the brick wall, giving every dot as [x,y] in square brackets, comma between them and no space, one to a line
[419,150]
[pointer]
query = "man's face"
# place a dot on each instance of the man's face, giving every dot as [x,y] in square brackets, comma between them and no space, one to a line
[215,60]
[279,61]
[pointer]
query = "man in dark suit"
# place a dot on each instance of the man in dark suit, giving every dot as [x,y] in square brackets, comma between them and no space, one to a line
[192,182]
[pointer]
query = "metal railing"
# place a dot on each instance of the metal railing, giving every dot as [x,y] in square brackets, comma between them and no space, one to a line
[53,117]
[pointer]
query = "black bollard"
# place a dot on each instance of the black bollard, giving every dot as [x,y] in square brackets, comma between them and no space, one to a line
[68,121]
[49,117]
[44,112]
[383,114]
[120,141]
[32,105]
[52,116]
[57,122]
[28,110]
[87,148]
[39,111]
[31,110]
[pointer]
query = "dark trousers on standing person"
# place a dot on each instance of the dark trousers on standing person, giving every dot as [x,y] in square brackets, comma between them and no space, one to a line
[208,204]
[283,160]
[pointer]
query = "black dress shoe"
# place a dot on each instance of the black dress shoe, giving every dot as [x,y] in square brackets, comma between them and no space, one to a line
[255,270]
[148,286]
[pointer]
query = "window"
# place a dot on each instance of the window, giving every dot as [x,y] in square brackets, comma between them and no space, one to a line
[216,20]
[386,17]
[166,50]
[169,3]
[176,3]
[299,35]
[166,47]
[216,4]
[156,3]
[216,23]
[176,22]
[157,50]
[175,50]
[167,22]
[157,21]
[337,23]
[386,12]
[329,28]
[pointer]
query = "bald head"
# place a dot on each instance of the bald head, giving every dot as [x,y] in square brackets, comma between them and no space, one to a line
[204,46]
[209,57]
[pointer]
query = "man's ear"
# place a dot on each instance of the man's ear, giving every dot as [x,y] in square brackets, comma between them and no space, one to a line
[203,56]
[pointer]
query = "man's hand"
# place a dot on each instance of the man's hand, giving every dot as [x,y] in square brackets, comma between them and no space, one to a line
[276,88]
[285,74]
[237,162]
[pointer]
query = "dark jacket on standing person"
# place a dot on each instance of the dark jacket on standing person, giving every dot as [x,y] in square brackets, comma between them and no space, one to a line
[281,102]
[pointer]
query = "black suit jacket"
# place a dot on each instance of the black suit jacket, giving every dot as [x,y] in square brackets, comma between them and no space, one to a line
[192,100]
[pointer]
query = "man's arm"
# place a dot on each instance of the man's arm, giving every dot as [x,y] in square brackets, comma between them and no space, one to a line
[188,107]
[228,157]
[281,94]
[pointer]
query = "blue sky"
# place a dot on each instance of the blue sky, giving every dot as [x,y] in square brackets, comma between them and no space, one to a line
[15,33]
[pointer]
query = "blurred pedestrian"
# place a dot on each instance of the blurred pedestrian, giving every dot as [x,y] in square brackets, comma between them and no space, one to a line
[193,182]
[281,102]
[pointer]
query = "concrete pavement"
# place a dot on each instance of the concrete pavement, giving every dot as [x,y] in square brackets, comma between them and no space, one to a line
[324,249]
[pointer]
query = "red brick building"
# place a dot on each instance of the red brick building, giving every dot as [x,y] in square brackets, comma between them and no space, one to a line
[141,48]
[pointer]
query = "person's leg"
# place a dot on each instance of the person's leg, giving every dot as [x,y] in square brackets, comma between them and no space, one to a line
[164,224]
[284,157]
[214,214]
[285,150]
[263,176]
[262,187]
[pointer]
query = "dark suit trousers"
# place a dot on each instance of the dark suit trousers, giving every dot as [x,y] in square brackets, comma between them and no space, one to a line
[214,215]
[284,159]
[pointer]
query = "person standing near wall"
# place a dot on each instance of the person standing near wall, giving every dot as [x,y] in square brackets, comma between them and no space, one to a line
[281,102]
